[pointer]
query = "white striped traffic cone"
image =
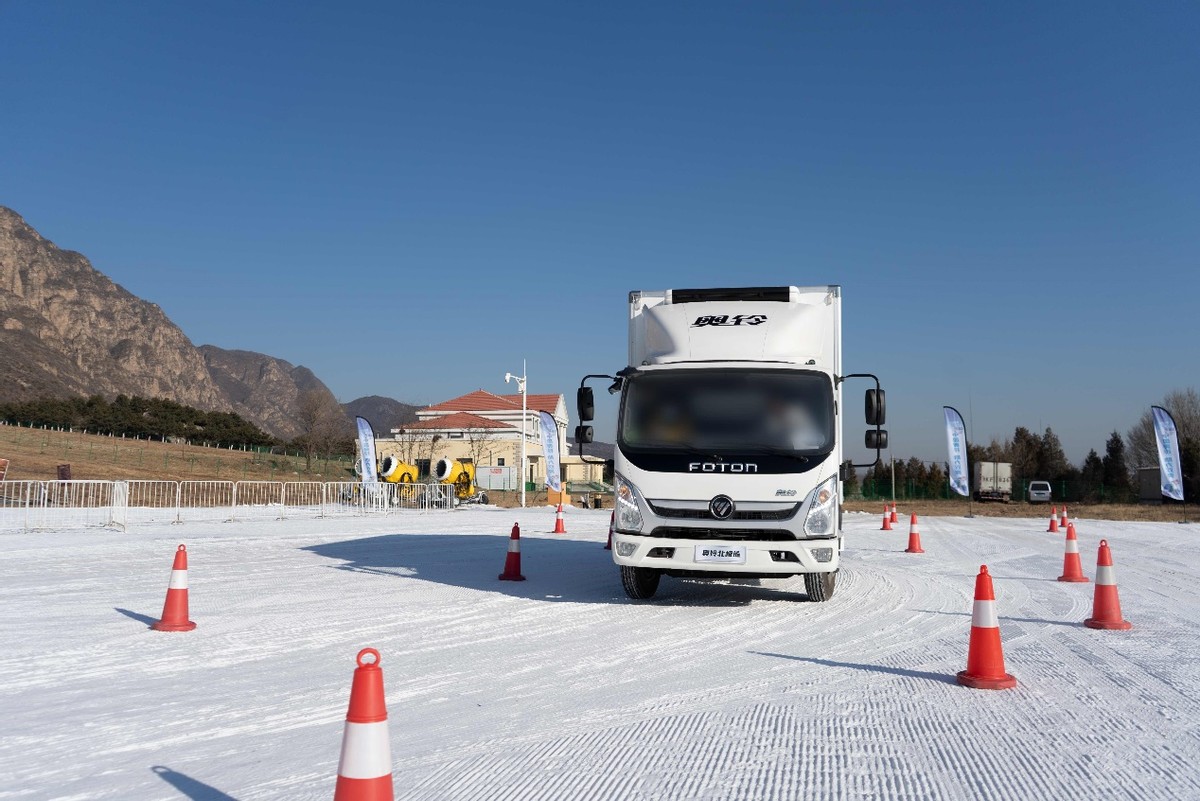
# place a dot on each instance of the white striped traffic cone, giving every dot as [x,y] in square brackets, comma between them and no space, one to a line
[512,562]
[1106,604]
[985,655]
[914,537]
[365,768]
[559,524]
[175,608]
[1072,569]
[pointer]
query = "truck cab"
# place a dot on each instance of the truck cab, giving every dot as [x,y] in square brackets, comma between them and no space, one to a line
[729,439]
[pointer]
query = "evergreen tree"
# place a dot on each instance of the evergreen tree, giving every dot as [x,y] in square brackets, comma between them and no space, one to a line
[1117,484]
[1024,450]
[850,485]
[914,482]
[870,486]
[1091,477]
[935,482]
[1052,462]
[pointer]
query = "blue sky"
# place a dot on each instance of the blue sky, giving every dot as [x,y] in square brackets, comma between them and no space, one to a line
[408,199]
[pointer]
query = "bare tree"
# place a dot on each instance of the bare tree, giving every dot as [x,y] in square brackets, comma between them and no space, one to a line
[322,423]
[479,441]
[1184,406]
[409,445]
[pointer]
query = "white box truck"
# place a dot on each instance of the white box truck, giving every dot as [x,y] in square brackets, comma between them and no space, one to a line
[729,436]
[993,481]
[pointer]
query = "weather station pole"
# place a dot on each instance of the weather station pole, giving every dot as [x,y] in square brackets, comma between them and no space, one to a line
[521,389]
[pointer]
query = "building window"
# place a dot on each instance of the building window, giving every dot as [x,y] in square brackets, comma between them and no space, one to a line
[422,468]
[455,435]
[500,462]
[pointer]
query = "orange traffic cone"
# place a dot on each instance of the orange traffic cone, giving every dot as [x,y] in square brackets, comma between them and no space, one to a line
[559,525]
[365,768]
[1053,520]
[612,521]
[894,518]
[1063,523]
[1072,569]
[1106,605]
[914,537]
[985,656]
[887,521]
[512,563]
[175,608]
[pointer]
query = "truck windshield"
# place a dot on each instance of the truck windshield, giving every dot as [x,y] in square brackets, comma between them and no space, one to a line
[729,410]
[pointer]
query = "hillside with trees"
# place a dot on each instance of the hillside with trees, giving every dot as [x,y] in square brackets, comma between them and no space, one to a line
[133,417]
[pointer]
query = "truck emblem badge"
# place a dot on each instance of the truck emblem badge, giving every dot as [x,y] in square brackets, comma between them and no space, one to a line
[725,319]
[721,507]
[722,467]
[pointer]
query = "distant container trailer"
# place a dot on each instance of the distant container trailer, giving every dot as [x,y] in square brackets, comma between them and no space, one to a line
[993,481]
[1149,485]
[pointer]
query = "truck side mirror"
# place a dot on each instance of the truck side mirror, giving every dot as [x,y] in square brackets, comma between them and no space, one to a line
[585,400]
[876,440]
[583,434]
[876,403]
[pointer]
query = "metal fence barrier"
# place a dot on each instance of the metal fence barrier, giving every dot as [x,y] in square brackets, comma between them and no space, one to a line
[55,505]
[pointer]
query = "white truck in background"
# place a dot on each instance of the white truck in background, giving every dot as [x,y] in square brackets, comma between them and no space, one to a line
[729,436]
[993,481]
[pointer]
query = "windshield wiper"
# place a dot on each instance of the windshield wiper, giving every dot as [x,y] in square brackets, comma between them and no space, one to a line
[775,450]
[684,446]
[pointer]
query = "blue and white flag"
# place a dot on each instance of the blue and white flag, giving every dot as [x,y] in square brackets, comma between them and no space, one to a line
[366,448]
[956,443]
[550,449]
[1167,440]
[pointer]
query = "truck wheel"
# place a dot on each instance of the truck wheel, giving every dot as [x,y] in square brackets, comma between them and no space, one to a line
[819,586]
[640,582]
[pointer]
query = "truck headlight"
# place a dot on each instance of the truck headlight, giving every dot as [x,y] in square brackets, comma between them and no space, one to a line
[629,508]
[821,520]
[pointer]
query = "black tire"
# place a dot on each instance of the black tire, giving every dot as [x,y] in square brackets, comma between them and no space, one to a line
[406,478]
[483,498]
[819,586]
[640,583]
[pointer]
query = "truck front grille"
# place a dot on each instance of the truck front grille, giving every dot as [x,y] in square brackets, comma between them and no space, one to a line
[760,534]
[676,513]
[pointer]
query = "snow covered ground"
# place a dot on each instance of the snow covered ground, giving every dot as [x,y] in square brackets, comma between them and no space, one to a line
[558,687]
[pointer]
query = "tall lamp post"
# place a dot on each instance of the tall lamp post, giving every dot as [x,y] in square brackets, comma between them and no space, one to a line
[520,379]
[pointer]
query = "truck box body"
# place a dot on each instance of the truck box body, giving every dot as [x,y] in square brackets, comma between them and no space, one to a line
[729,434]
[993,481]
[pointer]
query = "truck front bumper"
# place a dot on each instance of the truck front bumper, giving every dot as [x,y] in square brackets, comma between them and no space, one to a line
[764,559]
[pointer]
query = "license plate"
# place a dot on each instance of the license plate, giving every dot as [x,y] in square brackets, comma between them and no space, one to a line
[723,554]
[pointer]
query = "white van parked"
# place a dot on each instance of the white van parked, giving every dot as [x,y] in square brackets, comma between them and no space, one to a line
[1039,492]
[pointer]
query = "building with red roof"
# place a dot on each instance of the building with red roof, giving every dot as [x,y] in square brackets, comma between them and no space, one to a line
[484,428]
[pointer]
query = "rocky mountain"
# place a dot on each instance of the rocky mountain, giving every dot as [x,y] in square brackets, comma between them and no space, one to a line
[262,388]
[383,413]
[67,329]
